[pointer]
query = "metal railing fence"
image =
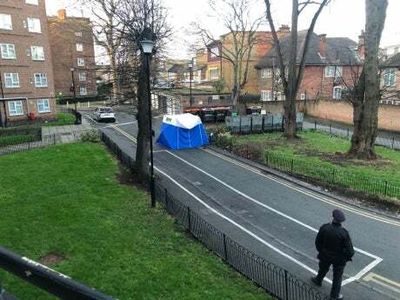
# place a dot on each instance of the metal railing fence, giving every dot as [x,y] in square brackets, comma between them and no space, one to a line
[274,279]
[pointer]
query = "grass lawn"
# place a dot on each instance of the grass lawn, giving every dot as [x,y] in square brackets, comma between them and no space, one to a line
[62,119]
[65,202]
[315,151]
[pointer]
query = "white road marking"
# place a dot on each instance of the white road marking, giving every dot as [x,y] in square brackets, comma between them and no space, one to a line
[241,227]
[376,261]
[120,124]
[383,281]
[365,270]
[321,198]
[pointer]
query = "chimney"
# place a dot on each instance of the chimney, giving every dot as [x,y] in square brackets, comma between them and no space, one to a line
[361,45]
[62,14]
[284,29]
[322,45]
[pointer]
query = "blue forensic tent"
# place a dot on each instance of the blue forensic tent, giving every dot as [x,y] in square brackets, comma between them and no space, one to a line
[182,132]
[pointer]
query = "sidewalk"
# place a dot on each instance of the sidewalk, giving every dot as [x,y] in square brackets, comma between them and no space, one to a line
[65,134]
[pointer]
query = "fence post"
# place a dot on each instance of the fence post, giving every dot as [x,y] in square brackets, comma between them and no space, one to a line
[189,221]
[333,176]
[330,128]
[315,125]
[286,285]
[267,159]
[291,166]
[393,142]
[386,187]
[225,250]
[247,151]
[348,133]
[251,124]
[166,199]
[54,138]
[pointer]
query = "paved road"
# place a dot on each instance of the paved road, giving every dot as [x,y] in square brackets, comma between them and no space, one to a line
[275,218]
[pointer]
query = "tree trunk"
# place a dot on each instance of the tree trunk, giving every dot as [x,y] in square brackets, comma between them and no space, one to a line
[114,78]
[143,137]
[365,115]
[291,91]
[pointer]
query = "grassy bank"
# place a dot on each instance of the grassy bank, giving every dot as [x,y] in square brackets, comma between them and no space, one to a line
[65,207]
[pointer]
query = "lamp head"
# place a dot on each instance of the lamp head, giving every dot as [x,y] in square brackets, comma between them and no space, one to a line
[147,46]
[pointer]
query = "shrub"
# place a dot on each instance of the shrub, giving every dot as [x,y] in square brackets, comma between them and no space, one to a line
[91,136]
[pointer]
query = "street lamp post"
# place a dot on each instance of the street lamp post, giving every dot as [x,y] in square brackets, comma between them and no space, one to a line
[190,81]
[73,89]
[147,48]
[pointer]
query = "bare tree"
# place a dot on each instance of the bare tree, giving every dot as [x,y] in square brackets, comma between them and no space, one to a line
[292,80]
[143,19]
[235,47]
[108,35]
[367,93]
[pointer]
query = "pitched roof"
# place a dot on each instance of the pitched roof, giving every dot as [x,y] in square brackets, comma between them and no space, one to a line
[177,68]
[339,51]
[393,61]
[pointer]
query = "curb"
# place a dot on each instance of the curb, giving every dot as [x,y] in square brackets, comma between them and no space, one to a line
[297,181]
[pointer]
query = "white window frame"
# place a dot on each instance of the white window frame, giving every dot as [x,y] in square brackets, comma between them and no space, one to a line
[214,70]
[389,77]
[40,80]
[8,51]
[32,2]
[78,33]
[43,106]
[6,22]
[15,108]
[13,78]
[266,95]
[83,91]
[302,96]
[266,73]
[337,95]
[82,76]
[36,54]
[34,25]
[79,47]
[80,62]
[333,71]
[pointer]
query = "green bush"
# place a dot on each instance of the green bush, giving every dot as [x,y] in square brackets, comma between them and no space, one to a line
[91,136]
[16,139]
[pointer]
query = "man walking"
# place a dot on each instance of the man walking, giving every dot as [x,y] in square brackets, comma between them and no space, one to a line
[334,248]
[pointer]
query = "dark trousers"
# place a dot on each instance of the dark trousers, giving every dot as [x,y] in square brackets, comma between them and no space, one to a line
[337,276]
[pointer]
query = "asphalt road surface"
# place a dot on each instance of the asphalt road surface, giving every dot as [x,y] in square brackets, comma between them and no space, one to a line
[273,217]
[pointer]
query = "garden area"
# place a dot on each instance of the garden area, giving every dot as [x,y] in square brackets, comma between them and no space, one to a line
[320,157]
[69,207]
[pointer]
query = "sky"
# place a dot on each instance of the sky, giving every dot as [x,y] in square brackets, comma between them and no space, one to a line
[344,18]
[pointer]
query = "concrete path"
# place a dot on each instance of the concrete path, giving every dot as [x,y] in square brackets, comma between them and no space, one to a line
[64,134]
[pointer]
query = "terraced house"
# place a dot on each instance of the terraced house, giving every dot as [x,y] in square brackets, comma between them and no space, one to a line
[27,85]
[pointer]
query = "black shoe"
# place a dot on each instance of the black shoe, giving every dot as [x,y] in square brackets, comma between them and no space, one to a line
[316,281]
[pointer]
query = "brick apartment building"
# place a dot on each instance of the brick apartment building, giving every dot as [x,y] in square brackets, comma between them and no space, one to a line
[72,46]
[390,79]
[332,66]
[27,84]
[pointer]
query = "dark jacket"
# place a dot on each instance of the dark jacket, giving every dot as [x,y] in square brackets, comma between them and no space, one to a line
[334,244]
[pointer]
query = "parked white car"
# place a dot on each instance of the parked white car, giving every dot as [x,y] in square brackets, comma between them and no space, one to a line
[104,114]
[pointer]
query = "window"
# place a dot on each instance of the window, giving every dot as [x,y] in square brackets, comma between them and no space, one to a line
[37,53]
[8,51]
[82,76]
[83,91]
[34,25]
[389,77]
[43,106]
[15,108]
[79,47]
[80,62]
[266,95]
[214,52]
[40,80]
[303,96]
[11,80]
[5,22]
[78,34]
[266,73]
[33,2]
[333,71]
[214,74]
[337,92]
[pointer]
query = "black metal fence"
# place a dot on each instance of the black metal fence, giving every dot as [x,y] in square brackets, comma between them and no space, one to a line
[274,279]
[47,279]
[334,176]
[387,140]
